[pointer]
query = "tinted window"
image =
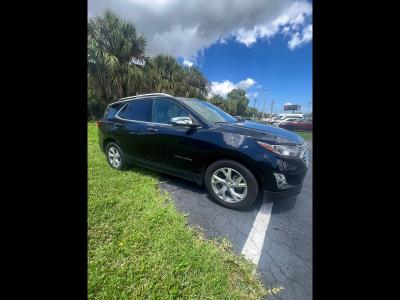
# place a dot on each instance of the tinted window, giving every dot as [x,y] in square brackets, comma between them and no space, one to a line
[139,110]
[111,111]
[164,110]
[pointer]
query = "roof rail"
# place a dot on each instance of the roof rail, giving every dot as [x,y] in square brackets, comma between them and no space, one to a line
[144,95]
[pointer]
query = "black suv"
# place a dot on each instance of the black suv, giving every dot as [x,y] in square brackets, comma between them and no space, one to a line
[193,139]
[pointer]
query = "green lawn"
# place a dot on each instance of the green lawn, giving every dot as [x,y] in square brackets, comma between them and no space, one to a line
[140,247]
[307,135]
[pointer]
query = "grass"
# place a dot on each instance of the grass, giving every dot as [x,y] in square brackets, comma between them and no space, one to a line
[141,247]
[307,135]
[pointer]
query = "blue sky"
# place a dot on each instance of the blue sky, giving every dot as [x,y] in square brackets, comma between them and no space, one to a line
[286,73]
[252,44]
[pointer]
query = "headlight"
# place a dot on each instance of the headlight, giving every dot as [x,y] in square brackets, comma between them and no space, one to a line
[292,151]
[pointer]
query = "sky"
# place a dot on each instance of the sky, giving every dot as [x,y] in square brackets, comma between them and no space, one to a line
[253,45]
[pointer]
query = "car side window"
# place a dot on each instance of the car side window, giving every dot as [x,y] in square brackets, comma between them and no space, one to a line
[139,110]
[164,110]
[111,111]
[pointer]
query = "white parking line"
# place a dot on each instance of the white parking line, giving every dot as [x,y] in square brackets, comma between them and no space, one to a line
[255,240]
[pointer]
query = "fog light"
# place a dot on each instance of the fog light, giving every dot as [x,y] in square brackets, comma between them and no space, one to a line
[280,180]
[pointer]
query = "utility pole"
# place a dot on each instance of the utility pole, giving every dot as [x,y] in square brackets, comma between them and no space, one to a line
[255,101]
[272,106]
[265,90]
[262,119]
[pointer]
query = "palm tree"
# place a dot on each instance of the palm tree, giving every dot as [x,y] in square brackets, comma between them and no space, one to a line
[167,72]
[197,86]
[118,67]
[115,55]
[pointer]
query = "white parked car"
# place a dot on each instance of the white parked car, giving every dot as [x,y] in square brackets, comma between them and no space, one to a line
[286,119]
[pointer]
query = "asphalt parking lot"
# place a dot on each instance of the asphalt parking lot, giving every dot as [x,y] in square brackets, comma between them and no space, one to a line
[276,234]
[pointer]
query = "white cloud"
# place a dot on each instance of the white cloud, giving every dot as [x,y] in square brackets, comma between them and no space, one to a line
[299,39]
[292,19]
[185,28]
[246,84]
[187,63]
[221,88]
[285,30]
[224,87]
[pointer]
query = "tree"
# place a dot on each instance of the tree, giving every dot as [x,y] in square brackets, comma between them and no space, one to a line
[118,66]
[196,84]
[239,100]
[217,100]
[170,77]
[115,55]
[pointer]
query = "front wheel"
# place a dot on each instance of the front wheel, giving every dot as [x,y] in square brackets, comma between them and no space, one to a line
[231,184]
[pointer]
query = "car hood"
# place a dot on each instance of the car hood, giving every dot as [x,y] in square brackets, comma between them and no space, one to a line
[264,132]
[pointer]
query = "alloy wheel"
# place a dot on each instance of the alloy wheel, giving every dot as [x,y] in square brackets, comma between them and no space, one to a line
[114,157]
[229,185]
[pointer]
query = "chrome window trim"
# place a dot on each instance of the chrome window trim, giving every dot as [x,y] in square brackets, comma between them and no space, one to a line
[154,123]
[135,121]
[145,122]
[144,96]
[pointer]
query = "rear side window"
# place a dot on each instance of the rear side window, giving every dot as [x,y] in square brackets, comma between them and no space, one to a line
[139,110]
[111,111]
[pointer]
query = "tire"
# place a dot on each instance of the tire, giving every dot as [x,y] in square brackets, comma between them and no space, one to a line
[214,185]
[113,149]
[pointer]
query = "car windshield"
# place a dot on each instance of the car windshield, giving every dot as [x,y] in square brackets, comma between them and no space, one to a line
[210,112]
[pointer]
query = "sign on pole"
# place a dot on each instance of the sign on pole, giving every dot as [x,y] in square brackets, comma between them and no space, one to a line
[291,107]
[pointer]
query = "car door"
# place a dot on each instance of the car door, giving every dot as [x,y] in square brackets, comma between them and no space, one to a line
[174,147]
[134,128]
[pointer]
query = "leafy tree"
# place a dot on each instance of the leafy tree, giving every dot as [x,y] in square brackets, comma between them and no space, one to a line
[118,66]
[196,85]
[217,100]
[239,100]
[115,55]
[170,77]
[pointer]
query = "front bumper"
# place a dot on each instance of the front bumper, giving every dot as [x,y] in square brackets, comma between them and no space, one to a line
[287,192]
[284,176]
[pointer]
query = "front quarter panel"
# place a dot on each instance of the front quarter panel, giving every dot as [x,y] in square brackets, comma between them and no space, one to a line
[262,162]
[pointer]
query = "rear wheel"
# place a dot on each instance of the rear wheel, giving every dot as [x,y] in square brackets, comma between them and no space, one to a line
[115,156]
[231,184]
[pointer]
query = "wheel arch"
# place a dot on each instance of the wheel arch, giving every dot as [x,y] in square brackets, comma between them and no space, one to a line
[233,157]
[107,141]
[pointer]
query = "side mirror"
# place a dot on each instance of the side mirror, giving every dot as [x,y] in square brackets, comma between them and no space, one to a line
[240,118]
[183,121]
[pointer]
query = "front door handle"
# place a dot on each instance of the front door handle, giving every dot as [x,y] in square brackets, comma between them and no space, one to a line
[152,129]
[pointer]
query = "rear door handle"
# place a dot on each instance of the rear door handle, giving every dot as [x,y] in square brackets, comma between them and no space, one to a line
[152,129]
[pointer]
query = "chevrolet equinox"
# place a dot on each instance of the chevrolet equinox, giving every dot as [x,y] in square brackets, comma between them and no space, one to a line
[235,159]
